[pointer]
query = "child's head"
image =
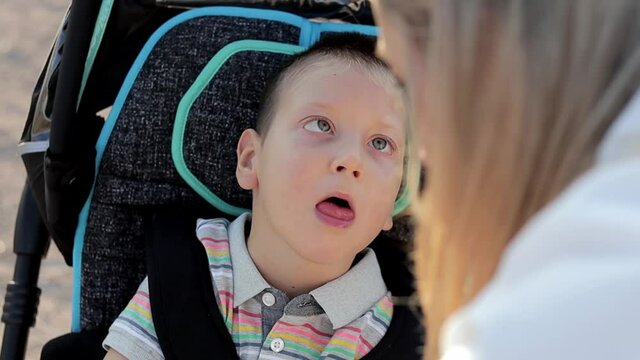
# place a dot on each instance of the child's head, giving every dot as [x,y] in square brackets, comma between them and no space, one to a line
[326,162]
[344,50]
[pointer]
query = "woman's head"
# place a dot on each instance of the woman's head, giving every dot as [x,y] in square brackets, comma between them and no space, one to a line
[510,100]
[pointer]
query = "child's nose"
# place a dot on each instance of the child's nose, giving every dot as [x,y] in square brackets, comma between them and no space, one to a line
[350,164]
[356,173]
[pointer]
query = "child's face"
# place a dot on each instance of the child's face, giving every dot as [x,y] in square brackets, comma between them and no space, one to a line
[335,135]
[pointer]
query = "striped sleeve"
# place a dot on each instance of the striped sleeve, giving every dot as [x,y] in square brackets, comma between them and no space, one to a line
[132,334]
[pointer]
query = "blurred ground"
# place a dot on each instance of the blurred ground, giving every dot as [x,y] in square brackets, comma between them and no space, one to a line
[27,30]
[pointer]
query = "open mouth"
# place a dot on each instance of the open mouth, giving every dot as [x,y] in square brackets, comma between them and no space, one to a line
[342,203]
[336,211]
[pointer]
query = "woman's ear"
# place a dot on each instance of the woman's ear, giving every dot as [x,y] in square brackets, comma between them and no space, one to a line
[247,151]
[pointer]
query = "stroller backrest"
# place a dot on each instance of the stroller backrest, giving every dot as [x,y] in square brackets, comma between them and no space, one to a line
[170,139]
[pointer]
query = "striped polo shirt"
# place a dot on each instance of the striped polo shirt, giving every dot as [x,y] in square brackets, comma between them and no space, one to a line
[343,319]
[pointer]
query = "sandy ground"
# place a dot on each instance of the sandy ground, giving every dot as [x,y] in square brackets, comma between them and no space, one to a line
[27,30]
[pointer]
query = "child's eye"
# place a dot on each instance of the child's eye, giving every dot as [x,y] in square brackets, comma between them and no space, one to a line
[318,125]
[382,144]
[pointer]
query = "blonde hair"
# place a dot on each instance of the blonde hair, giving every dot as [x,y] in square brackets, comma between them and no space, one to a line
[519,94]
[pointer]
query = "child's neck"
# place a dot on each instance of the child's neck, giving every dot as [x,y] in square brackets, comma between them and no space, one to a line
[284,269]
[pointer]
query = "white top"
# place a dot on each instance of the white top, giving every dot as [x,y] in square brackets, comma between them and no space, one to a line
[568,286]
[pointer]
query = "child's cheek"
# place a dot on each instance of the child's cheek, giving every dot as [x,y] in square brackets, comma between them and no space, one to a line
[303,167]
[389,181]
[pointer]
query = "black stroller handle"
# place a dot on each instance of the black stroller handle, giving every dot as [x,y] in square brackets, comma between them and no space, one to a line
[31,241]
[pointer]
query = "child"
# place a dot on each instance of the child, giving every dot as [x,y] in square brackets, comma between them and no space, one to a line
[325,165]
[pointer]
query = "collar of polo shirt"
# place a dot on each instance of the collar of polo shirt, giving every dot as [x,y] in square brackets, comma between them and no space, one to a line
[344,299]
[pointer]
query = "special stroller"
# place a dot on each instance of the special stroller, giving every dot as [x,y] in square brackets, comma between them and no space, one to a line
[194,74]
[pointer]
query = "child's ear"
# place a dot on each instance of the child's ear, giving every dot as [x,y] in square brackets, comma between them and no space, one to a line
[388,224]
[247,150]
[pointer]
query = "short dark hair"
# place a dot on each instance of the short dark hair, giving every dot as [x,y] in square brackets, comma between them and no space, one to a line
[351,47]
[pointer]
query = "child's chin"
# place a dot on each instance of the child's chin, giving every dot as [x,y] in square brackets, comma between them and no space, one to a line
[327,250]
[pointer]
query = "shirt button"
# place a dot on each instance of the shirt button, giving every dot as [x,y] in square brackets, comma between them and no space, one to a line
[277,345]
[268,299]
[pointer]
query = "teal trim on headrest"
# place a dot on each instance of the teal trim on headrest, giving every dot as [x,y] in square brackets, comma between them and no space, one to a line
[182,114]
[402,203]
[339,27]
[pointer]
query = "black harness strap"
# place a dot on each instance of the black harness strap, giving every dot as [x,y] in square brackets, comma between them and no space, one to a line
[185,315]
[403,339]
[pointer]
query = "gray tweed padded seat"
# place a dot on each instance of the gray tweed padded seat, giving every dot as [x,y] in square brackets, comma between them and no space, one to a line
[175,80]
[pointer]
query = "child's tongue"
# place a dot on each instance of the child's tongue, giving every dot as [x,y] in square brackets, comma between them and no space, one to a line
[330,209]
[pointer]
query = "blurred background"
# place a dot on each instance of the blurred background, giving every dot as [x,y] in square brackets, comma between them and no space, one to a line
[27,30]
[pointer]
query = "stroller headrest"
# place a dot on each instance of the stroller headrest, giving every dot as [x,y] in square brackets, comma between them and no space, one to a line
[220,95]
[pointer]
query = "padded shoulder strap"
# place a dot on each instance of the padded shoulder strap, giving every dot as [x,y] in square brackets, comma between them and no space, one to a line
[185,315]
[404,339]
